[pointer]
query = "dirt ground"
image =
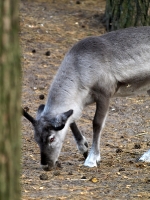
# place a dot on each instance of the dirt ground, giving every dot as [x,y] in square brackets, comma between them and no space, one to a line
[47,30]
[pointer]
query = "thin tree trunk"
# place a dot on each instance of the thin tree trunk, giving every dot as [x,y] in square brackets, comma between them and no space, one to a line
[126,13]
[10,90]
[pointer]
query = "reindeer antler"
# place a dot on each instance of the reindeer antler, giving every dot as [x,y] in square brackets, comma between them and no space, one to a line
[27,116]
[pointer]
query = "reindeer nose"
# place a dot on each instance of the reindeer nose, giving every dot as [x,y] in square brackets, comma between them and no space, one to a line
[44,159]
[46,164]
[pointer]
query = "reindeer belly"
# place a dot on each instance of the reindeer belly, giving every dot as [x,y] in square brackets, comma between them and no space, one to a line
[130,89]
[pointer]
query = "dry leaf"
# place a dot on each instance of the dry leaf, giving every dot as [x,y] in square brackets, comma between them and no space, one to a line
[94,180]
[128,186]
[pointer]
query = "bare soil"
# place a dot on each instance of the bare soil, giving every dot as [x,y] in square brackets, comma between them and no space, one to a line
[47,30]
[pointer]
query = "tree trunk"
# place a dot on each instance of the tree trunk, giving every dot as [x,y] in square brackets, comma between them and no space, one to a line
[10,90]
[125,13]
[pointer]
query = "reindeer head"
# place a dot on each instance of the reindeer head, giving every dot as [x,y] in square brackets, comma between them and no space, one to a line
[49,133]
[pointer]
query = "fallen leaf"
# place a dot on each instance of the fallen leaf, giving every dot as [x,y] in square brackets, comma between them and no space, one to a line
[128,186]
[94,180]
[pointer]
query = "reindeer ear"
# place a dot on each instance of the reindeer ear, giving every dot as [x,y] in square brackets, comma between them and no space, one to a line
[29,117]
[58,123]
[40,110]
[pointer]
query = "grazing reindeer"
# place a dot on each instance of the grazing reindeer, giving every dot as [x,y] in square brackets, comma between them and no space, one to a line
[94,70]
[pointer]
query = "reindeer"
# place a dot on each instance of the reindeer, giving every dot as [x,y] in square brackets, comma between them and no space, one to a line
[116,64]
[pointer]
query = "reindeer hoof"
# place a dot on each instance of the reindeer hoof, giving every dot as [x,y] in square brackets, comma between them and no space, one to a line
[145,157]
[90,164]
[83,147]
[92,160]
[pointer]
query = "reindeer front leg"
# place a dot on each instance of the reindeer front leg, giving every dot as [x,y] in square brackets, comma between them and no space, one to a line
[98,124]
[80,140]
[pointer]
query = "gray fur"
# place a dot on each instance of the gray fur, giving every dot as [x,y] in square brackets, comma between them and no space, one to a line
[94,70]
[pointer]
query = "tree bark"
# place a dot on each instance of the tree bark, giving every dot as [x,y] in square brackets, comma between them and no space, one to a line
[125,13]
[10,90]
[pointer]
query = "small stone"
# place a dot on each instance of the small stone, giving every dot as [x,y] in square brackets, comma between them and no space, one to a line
[56,173]
[69,163]
[119,150]
[26,108]
[121,169]
[131,162]
[147,180]
[137,146]
[78,2]
[47,53]
[43,177]
[41,96]
[33,51]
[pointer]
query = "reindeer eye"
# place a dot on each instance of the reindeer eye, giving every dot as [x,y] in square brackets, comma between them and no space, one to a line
[51,139]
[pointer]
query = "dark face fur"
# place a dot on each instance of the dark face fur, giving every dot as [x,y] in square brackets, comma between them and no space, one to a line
[49,133]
